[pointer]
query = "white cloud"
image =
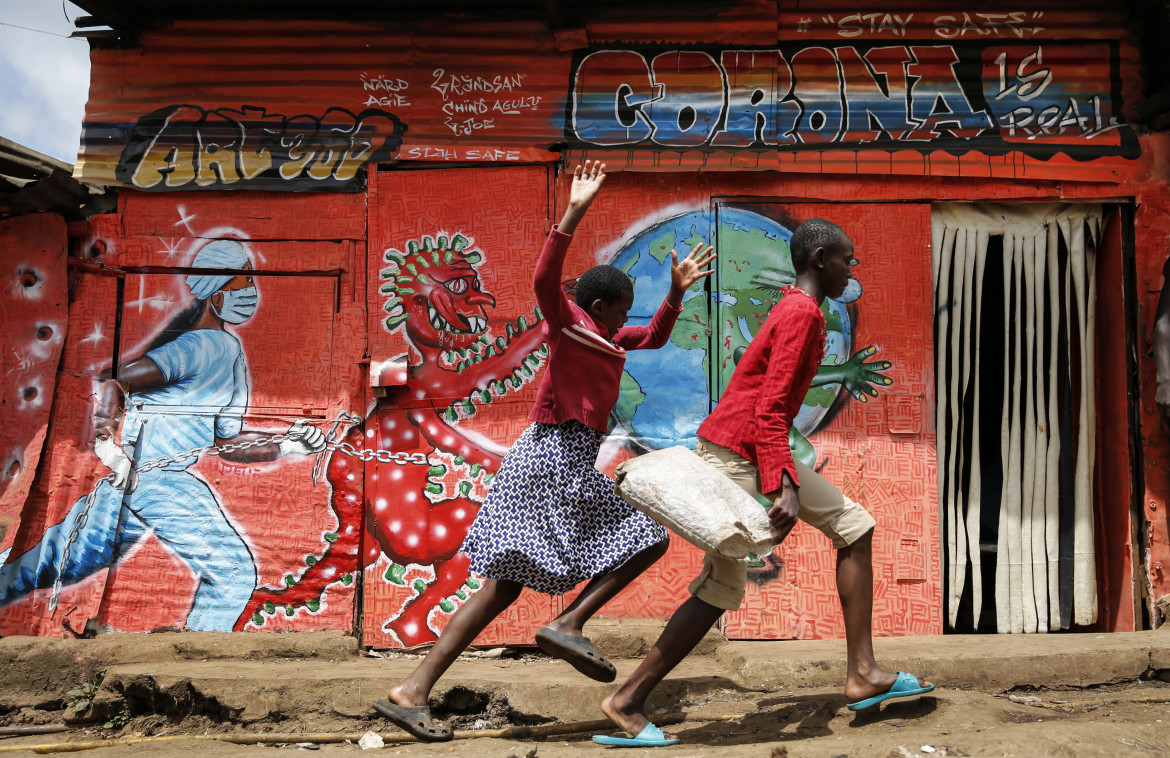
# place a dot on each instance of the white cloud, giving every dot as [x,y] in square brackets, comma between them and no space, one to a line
[44,79]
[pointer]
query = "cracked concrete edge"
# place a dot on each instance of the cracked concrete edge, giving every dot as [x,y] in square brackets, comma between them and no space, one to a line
[146,648]
[633,638]
[986,662]
[997,662]
[242,703]
[43,670]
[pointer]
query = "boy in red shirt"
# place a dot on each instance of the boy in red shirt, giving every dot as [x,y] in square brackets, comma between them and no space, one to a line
[746,437]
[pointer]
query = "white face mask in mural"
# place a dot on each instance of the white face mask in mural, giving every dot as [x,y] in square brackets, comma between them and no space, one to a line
[238,305]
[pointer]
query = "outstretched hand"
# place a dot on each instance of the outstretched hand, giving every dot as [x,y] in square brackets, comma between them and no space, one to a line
[861,376]
[689,270]
[587,181]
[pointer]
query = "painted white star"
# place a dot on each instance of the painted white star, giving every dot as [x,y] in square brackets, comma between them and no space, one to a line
[95,336]
[171,246]
[158,302]
[184,218]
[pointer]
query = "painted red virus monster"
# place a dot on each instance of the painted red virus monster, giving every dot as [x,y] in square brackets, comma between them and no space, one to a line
[420,502]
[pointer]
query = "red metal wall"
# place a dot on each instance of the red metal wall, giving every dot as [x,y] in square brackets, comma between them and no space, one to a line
[756,86]
[306,351]
[34,310]
[705,129]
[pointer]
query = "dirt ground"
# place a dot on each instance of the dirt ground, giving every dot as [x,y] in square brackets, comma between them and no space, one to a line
[722,717]
[1131,720]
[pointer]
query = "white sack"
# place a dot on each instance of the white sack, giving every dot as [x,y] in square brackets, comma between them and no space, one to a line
[680,490]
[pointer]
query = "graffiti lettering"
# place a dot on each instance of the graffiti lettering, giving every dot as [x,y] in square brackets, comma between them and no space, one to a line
[465,106]
[515,105]
[988,24]
[815,95]
[431,153]
[490,154]
[948,26]
[1055,120]
[187,146]
[436,153]
[1031,107]
[874,23]
[384,83]
[455,84]
[464,127]
[387,101]
[758,97]
[1029,85]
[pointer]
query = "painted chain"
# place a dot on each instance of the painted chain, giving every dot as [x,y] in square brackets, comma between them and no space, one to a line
[345,448]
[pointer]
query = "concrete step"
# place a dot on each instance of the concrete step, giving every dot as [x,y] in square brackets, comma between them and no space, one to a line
[529,690]
[323,677]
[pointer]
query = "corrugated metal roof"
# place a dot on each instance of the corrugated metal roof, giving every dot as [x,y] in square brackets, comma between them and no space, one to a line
[34,183]
[128,18]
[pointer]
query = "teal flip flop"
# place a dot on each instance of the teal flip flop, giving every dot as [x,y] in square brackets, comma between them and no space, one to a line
[651,736]
[906,685]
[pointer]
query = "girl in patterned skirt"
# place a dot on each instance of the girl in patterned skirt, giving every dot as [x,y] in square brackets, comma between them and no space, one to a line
[551,520]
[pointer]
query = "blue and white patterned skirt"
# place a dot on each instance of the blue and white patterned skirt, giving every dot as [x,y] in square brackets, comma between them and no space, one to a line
[551,520]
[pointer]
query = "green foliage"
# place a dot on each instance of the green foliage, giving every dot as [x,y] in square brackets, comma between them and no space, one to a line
[119,719]
[82,697]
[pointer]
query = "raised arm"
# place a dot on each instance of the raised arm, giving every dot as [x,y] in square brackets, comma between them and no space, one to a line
[587,181]
[683,274]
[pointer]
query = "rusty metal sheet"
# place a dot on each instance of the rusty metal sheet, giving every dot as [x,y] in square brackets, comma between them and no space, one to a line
[305,106]
[33,311]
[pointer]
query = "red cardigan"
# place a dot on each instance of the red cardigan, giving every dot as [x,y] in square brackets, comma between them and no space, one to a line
[768,387]
[585,362]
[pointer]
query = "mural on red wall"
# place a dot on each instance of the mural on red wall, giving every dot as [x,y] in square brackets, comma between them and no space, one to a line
[755,264]
[451,304]
[246,541]
[184,538]
[878,452]
[432,289]
[418,510]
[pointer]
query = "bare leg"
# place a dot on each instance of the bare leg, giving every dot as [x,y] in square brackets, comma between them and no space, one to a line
[471,619]
[865,678]
[627,706]
[601,589]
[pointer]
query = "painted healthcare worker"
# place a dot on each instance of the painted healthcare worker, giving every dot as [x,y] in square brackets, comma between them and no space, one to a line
[189,389]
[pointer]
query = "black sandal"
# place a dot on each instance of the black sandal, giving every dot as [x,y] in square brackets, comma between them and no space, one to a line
[578,652]
[415,720]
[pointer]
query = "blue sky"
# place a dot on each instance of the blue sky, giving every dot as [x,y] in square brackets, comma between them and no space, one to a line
[44,77]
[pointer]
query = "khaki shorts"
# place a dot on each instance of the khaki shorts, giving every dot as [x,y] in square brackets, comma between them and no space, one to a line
[822,505]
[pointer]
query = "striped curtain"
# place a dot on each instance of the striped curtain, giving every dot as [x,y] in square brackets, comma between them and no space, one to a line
[1014,341]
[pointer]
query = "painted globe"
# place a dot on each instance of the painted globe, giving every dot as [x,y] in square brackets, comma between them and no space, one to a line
[666,393]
